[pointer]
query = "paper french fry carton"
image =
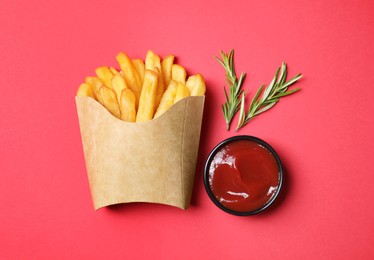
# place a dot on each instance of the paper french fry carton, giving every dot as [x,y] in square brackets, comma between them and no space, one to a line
[153,161]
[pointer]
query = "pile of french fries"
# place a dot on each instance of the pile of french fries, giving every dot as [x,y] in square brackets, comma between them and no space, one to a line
[141,90]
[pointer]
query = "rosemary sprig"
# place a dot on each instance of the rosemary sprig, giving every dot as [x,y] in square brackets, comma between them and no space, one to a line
[277,88]
[232,104]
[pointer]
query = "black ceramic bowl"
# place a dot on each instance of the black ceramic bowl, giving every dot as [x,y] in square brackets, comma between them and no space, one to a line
[243,163]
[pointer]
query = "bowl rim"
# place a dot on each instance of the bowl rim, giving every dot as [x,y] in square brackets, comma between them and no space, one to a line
[230,140]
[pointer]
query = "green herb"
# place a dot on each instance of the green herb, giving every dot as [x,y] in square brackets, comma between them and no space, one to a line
[260,103]
[232,104]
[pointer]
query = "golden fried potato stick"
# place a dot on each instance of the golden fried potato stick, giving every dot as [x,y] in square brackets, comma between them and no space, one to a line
[196,85]
[105,75]
[148,96]
[127,105]
[160,87]
[166,64]
[178,73]
[113,70]
[152,61]
[129,72]
[139,67]
[167,99]
[95,83]
[109,100]
[85,90]
[182,92]
[118,84]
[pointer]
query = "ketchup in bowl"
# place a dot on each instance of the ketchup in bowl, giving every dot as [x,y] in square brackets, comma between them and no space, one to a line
[243,175]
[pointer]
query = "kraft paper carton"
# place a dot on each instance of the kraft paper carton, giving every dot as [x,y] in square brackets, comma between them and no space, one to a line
[153,161]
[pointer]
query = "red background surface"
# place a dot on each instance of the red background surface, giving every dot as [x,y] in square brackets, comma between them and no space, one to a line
[324,134]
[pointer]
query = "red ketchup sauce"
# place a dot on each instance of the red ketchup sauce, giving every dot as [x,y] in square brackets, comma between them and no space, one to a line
[243,175]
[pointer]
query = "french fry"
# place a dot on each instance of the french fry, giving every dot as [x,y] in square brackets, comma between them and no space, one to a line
[118,84]
[109,100]
[196,85]
[178,73]
[167,99]
[127,105]
[85,90]
[182,92]
[152,61]
[105,75]
[95,83]
[148,96]
[160,87]
[139,67]
[166,64]
[130,74]
[113,70]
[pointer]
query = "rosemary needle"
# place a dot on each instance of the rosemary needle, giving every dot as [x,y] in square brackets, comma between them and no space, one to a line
[232,103]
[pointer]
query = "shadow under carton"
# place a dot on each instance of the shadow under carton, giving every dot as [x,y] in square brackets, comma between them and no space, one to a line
[153,161]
